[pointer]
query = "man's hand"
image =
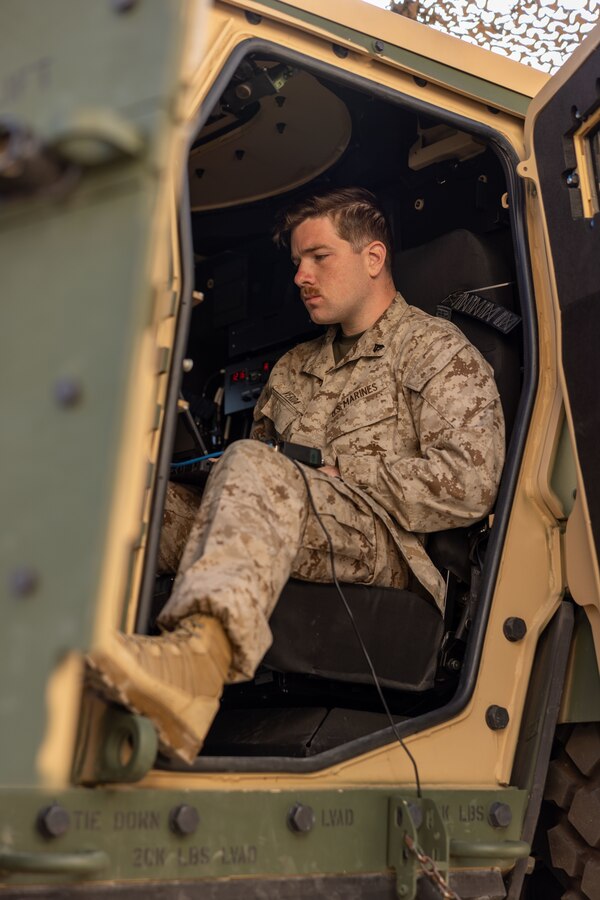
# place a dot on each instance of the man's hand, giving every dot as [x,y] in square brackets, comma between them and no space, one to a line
[332,471]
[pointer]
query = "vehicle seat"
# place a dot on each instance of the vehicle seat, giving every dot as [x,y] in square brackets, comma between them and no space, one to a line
[313,634]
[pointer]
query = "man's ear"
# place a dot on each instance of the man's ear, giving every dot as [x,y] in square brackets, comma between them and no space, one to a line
[375,255]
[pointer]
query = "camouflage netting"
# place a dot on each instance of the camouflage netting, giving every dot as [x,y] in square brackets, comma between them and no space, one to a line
[541,33]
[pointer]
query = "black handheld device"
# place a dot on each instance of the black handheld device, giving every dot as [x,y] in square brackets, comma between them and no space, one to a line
[310,456]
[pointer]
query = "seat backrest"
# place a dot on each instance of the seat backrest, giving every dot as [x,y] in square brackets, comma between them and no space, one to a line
[461,261]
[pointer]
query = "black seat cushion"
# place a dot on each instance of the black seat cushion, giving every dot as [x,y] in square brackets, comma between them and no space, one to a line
[313,634]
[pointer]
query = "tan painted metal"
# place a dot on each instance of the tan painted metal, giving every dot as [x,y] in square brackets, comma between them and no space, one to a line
[464,751]
[56,751]
[228,28]
[149,378]
[407,34]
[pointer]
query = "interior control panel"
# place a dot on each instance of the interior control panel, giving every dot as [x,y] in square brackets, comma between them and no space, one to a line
[244,382]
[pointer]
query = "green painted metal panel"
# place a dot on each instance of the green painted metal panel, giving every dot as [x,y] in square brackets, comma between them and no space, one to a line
[581,699]
[564,474]
[493,94]
[75,297]
[240,833]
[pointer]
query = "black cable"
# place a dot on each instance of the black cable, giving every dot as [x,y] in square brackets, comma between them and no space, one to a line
[208,380]
[357,631]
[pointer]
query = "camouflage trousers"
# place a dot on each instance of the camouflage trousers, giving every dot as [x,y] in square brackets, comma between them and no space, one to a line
[254,527]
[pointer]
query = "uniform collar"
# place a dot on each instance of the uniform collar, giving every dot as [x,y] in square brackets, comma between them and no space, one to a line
[373,343]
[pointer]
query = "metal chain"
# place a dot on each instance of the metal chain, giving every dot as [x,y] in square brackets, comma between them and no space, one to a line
[430,870]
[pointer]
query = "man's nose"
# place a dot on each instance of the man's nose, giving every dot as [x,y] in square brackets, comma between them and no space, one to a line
[303,275]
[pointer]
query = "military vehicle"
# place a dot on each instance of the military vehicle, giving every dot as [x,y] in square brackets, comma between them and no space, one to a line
[145,148]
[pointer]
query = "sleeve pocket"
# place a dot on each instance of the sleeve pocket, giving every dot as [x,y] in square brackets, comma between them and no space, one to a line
[280,412]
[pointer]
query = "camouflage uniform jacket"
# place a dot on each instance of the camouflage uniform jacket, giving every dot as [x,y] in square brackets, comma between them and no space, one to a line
[410,416]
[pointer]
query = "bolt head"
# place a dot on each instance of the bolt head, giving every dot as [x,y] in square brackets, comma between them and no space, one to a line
[253,18]
[340,52]
[23,581]
[184,819]
[500,815]
[416,814]
[53,821]
[67,392]
[496,717]
[514,629]
[123,6]
[301,818]
[378,46]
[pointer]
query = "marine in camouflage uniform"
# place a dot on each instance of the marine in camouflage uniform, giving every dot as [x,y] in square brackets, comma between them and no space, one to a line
[412,419]
[411,431]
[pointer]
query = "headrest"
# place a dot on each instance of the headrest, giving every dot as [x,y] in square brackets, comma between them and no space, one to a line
[457,261]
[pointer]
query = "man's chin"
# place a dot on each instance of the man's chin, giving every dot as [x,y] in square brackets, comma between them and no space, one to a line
[320,316]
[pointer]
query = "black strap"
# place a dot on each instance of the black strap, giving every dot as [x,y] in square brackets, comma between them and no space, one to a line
[478,307]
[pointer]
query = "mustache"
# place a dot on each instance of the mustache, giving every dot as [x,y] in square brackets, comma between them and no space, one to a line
[306,293]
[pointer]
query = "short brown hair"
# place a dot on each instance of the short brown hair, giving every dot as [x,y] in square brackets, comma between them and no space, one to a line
[354,211]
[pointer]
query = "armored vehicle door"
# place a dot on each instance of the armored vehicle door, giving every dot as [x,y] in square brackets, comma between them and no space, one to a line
[91,130]
[563,137]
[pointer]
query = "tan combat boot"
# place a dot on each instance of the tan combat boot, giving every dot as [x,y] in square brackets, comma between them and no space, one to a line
[175,680]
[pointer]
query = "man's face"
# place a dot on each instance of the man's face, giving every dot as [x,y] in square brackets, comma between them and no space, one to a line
[334,280]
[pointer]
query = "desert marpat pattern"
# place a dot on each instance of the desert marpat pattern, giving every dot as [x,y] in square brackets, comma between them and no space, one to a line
[252,530]
[412,418]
